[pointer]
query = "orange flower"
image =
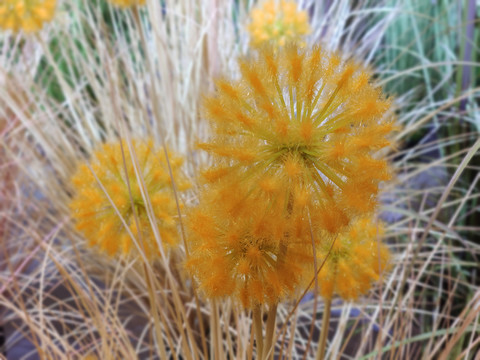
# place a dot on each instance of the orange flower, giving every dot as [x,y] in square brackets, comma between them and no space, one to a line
[304,125]
[28,15]
[103,209]
[356,260]
[278,22]
[294,151]
[247,249]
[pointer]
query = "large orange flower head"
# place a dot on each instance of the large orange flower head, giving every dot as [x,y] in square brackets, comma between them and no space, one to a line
[252,253]
[27,15]
[302,124]
[109,205]
[356,260]
[278,22]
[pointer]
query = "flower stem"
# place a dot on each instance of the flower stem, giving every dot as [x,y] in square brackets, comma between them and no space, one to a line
[257,324]
[153,309]
[268,350]
[324,332]
[216,332]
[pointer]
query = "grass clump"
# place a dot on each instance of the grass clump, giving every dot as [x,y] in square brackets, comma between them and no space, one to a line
[283,203]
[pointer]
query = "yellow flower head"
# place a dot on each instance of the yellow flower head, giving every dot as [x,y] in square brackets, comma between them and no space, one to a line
[246,249]
[355,261]
[96,205]
[127,3]
[27,15]
[278,21]
[302,125]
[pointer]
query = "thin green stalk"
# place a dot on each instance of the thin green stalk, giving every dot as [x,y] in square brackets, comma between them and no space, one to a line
[258,328]
[315,299]
[269,350]
[324,332]
[216,332]
[155,313]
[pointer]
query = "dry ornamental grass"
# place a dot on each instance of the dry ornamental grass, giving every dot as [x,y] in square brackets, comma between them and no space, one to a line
[239,179]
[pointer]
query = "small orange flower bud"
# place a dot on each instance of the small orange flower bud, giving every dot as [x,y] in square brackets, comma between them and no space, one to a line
[278,22]
[26,15]
[354,261]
